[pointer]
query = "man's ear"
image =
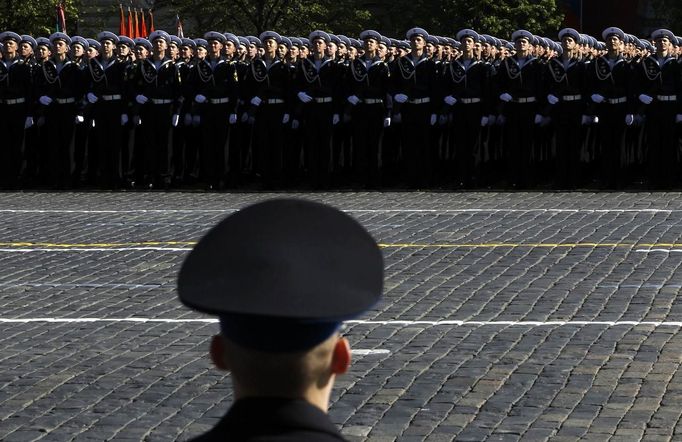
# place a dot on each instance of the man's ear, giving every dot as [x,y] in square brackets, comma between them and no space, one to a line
[218,352]
[341,356]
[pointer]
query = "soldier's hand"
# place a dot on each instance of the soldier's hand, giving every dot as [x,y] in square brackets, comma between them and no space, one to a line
[433,119]
[335,119]
[598,98]
[678,118]
[400,98]
[233,118]
[200,99]
[256,101]
[28,123]
[537,119]
[285,118]
[552,99]
[124,119]
[45,100]
[141,99]
[646,99]
[353,99]
[450,100]
[506,97]
[629,119]
[175,119]
[92,98]
[305,98]
[387,122]
[484,121]
[79,119]
[137,120]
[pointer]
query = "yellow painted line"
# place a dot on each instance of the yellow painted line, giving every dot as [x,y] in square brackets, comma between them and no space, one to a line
[382,245]
[118,244]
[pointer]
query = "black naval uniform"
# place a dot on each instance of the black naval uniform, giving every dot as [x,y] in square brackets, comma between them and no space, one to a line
[611,79]
[216,80]
[470,84]
[63,83]
[368,80]
[321,81]
[161,85]
[15,107]
[660,79]
[566,81]
[520,79]
[417,79]
[107,83]
[273,419]
[270,82]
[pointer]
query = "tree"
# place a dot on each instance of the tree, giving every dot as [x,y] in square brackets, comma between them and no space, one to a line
[35,17]
[668,13]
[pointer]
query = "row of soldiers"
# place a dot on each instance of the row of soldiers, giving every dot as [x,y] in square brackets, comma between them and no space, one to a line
[328,110]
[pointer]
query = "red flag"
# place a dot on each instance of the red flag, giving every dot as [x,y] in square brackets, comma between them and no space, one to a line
[61,18]
[178,26]
[151,19]
[122,24]
[143,26]
[131,30]
[137,26]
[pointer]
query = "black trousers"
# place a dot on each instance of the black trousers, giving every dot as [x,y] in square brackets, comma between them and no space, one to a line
[12,120]
[155,151]
[60,125]
[317,142]
[367,126]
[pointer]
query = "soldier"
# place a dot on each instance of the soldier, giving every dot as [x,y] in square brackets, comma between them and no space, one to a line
[565,92]
[414,92]
[319,95]
[78,50]
[158,100]
[93,50]
[124,48]
[213,82]
[106,95]
[518,80]
[267,89]
[185,144]
[466,89]
[610,86]
[367,92]
[174,47]
[60,90]
[142,48]
[15,109]
[658,89]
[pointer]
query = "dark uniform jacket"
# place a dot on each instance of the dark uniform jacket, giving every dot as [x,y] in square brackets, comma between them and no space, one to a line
[273,419]
[369,79]
[162,83]
[415,78]
[472,82]
[215,79]
[320,84]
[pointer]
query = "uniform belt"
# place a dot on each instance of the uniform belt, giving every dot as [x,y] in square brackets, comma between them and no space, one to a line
[469,100]
[13,101]
[111,97]
[65,100]
[420,100]
[323,99]
[219,100]
[666,97]
[571,97]
[372,100]
[275,101]
[161,100]
[524,100]
[617,100]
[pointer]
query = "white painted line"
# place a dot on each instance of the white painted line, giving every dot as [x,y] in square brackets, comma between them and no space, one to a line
[363,352]
[658,250]
[85,285]
[406,210]
[639,286]
[363,322]
[92,249]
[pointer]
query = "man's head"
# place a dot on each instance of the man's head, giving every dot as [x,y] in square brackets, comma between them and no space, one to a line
[282,276]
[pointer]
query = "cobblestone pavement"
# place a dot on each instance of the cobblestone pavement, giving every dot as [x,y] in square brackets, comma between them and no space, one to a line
[505,317]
